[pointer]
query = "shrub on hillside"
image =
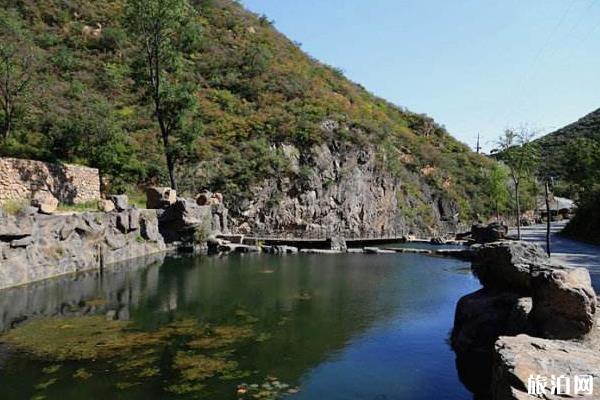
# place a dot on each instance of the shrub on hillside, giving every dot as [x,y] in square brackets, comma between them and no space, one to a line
[586,222]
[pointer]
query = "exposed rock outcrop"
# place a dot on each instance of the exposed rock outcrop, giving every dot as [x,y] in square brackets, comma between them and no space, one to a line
[488,233]
[523,293]
[564,303]
[35,247]
[508,265]
[160,197]
[344,191]
[521,357]
[481,317]
[186,221]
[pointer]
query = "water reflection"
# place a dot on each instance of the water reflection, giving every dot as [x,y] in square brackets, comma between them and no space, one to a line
[342,327]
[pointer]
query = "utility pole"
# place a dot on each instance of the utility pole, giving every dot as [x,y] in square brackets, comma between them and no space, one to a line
[547,219]
[478,146]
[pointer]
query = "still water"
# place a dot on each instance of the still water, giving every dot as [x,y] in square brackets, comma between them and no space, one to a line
[335,327]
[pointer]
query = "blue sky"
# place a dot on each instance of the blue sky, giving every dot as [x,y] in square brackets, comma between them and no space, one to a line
[473,65]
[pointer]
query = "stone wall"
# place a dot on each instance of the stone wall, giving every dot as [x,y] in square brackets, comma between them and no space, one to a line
[70,184]
[36,247]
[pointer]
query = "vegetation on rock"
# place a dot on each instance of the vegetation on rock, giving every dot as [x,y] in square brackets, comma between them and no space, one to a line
[234,90]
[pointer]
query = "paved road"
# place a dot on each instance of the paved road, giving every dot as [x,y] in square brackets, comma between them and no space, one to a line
[564,250]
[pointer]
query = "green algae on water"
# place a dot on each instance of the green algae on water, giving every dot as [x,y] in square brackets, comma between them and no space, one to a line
[51,369]
[80,338]
[194,367]
[204,351]
[82,374]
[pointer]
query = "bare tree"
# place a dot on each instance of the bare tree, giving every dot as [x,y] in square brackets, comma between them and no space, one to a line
[521,158]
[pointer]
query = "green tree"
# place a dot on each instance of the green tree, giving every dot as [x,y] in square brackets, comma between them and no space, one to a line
[107,147]
[16,68]
[158,27]
[497,188]
[521,157]
[581,158]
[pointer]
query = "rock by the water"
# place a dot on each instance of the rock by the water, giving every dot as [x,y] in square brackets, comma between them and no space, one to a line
[45,202]
[186,215]
[121,201]
[520,357]
[525,293]
[377,250]
[488,233]
[437,241]
[43,246]
[338,243]
[203,199]
[160,197]
[280,249]
[481,317]
[463,254]
[508,264]
[106,205]
[564,303]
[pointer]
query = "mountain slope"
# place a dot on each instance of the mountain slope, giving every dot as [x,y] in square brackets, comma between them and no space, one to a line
[563,149]
[280,131]
[572,154]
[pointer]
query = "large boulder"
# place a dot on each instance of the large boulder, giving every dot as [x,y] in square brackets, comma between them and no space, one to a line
[519,358]
[564,303]
[483,316]
[105,205]
[45,202]
[186,215]
[488,233]
[160,197]
[121,201]
[508,265]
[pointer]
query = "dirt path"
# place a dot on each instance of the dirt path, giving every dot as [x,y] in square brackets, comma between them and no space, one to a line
[564,250]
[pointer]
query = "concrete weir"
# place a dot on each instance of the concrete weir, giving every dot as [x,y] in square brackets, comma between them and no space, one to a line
[318,243]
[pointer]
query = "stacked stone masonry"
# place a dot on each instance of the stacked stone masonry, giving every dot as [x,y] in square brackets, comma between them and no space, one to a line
[70,184]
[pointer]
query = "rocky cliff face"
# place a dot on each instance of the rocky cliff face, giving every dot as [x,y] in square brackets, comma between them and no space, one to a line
[339,190]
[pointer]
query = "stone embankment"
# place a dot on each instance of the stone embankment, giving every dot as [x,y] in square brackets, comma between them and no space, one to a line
[35,245]
[532,317]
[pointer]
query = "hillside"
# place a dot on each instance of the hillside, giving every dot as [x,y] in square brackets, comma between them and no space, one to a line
[572,155]
[564,150]
[291,142]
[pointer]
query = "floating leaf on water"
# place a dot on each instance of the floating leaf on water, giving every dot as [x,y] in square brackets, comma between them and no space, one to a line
[126,385]
[304,296]
[221,336]
[137,362]
[82,374]
[195,367]
[246,316]
[270,389]
[263,337]
[45,385]
[51,369]
[185,388]
[234,375]
[148,372]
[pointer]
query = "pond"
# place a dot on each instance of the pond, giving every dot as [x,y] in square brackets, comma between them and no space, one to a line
[348,326]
